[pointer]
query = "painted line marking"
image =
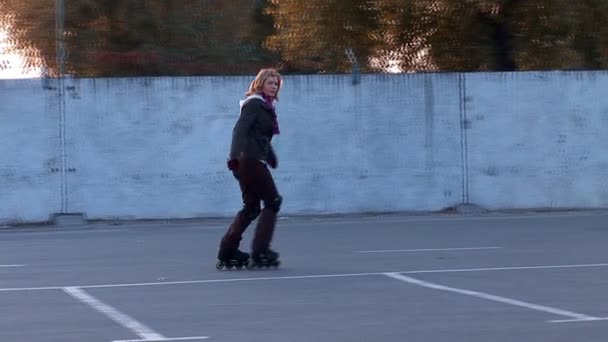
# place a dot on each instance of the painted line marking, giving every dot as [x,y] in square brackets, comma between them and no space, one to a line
[579,320]
[145,333]
[491,297]
[506,268]
[7,266]
[194,338]
[337,275]
[426,249]
[124,320]
[388,219]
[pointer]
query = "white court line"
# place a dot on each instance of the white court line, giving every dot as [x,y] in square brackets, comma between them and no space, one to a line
[194,338]
[146,333]
[313,276]
[7,266]
[426,249]
[124,320]
[487,296]
[507,268]
[433,217]
[579,320]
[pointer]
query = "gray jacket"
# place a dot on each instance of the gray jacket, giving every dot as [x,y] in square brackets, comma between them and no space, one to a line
[253,131]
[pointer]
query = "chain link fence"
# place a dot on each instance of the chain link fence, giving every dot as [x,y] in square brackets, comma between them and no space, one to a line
[105,38]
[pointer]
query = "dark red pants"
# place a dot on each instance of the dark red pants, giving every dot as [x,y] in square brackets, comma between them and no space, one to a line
[257,186]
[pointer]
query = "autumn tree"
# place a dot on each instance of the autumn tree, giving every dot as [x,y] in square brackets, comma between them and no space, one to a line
[314,35]
[590,35]
[503,35]
[195,37]
[30,28]
[144,37]
[453,35]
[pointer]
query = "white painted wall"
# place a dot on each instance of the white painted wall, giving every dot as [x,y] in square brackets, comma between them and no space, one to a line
[29,152]
[151,148]
[538,139]
[156,147]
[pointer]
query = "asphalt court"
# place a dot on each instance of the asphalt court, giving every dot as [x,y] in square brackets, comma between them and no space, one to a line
[504,278]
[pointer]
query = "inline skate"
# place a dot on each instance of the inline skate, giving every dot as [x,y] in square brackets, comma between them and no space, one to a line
[266,259]
[236,259]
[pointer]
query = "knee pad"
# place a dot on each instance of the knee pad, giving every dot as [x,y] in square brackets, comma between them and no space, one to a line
[275,204]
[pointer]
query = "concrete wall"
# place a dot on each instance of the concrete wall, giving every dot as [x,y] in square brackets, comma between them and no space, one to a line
[156,147]
[30,187]
[538,140]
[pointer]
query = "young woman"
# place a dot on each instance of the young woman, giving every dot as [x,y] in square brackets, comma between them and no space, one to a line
[251,153]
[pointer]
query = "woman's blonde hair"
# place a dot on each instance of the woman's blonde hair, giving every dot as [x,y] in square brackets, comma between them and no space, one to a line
[258,83]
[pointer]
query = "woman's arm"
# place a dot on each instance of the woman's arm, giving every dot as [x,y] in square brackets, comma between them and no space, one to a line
[241,129]
[272,158]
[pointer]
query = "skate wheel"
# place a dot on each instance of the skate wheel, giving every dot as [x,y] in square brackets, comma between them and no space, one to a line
[219,265]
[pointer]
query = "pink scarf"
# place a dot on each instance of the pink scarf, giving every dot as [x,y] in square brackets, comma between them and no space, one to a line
[269,104]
